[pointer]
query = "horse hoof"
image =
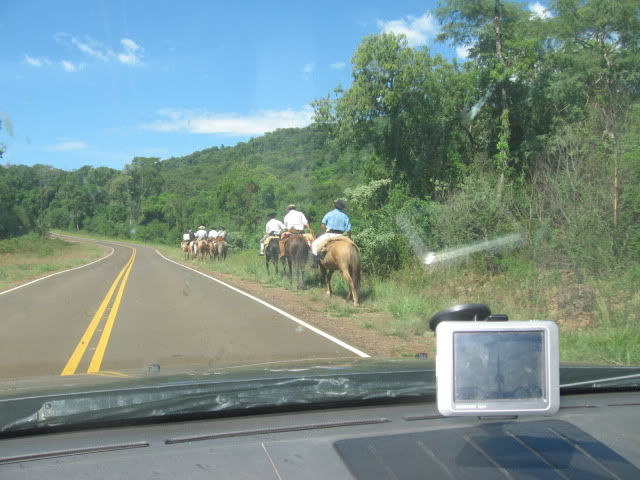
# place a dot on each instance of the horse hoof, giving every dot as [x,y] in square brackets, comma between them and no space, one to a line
[328,294]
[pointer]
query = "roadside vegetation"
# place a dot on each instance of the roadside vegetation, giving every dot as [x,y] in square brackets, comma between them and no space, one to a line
[598,318]
[30,256]
[536,133]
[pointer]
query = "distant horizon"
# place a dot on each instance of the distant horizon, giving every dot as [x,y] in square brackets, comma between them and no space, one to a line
[221,146]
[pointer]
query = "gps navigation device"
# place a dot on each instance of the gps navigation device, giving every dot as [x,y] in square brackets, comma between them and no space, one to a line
[497,368]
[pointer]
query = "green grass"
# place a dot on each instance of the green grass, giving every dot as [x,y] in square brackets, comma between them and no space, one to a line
[619,346]
[29,256]
[599,319]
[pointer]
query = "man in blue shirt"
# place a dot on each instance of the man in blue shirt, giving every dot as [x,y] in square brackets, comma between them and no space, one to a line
[334,223]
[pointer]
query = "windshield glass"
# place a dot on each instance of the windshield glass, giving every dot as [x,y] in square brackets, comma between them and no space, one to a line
[206,188]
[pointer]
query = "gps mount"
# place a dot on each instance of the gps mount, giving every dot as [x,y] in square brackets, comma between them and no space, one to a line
[466,312]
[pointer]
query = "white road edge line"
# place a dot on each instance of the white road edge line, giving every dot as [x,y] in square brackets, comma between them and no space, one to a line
[276,309]
[58,273]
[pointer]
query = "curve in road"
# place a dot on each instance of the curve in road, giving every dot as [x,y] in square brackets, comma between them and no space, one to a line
[135,308]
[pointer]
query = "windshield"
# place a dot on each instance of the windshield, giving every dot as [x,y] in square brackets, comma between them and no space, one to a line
[207,188]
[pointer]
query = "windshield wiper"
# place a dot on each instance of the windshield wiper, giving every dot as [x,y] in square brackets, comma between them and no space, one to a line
[184,398]
[630,381]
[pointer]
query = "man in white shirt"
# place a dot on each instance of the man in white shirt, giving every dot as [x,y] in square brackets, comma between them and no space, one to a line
[222,234]
[201,233]
[274,228]
[295,222]
[213,233]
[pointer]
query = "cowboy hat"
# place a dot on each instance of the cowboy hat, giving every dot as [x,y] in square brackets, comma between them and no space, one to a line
[339,204]
[291,206]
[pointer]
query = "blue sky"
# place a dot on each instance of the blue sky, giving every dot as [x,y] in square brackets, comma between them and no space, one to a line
[99,82]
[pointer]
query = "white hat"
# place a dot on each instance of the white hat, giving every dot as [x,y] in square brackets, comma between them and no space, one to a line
[201,226]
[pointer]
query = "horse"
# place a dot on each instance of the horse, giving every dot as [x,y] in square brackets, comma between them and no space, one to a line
[297,253]
[185,246]
[213,252]
[220,248]
[203,249]
[272,253]
[344,256]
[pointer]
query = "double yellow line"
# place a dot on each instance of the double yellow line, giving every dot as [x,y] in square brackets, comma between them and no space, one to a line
[98,355]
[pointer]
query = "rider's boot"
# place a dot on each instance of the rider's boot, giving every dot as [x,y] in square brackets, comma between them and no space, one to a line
[261,249]
[314,261]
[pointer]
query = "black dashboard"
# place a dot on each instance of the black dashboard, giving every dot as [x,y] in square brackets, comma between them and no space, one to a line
[593,436]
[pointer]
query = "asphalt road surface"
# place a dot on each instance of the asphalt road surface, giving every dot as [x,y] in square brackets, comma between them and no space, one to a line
[134,309]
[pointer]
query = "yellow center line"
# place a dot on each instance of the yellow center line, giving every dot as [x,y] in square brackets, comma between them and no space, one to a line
[96,361]
[76,356]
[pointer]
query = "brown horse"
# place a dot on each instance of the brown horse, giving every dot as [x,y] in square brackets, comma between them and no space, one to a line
[220,249]
[212,248]
[185,246]
[203,249]
[271,253]
[297,253]
[342,255]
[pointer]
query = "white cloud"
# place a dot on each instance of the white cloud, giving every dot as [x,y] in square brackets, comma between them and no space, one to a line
[68,146]
[417,29]
[92,48]
[70,66]
[131,53]
[231,123]
[338,65]
[308,68]
[538,10]
[463,51]
[37,62]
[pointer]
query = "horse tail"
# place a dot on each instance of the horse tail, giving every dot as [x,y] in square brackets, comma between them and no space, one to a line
[354,266]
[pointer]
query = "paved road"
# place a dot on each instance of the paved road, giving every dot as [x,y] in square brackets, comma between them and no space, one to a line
[135,308]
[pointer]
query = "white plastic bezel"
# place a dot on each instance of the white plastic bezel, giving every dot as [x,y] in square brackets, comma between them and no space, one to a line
[445,370]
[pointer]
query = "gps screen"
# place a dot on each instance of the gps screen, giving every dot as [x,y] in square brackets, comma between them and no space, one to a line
[499,366]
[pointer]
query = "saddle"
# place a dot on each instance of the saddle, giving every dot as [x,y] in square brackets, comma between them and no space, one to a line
[271,237]
[326,244]
[307,236]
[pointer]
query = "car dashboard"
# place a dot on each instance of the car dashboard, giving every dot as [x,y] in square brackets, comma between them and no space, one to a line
[595,435]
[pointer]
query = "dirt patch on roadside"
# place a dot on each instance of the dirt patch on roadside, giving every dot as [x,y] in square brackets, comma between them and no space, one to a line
[355,329]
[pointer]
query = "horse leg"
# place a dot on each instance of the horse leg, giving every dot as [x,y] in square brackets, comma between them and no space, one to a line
[353,293]
[328,276]
[323,275]
[301,277]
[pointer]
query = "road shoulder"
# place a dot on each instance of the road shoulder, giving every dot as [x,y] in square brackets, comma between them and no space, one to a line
[351,328]
[18,269]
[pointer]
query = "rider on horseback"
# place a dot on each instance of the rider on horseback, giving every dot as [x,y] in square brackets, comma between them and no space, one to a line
[213,233]
[201,233]
[273,229]
[294,222]
[334,223]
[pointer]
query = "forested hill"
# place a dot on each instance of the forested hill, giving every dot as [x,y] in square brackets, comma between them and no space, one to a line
[537,132]
[157,200]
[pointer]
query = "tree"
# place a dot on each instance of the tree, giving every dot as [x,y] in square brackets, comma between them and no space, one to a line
[596,53]
[406,105]
[495,32]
